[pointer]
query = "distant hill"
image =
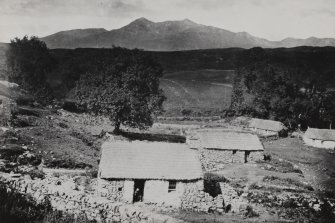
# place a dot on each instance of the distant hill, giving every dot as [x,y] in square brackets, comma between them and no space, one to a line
[170,36]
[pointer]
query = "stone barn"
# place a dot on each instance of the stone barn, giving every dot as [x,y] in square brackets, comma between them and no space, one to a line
[221,146]
[265,127]
[320,138]
[152,172]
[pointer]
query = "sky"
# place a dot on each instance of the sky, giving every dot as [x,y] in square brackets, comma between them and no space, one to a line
[270,19]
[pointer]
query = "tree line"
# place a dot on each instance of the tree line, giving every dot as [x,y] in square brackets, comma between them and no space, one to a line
[123,85]
[267,86]
[295,86]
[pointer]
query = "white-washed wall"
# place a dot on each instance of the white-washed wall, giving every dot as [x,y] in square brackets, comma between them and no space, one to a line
[128,191]
[264,132]
[319,143]
[156,191]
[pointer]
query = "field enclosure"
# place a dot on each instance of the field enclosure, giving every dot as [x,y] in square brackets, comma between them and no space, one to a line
[199,90]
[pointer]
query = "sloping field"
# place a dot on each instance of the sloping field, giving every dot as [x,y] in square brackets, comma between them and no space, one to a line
[221,76]
[198,96]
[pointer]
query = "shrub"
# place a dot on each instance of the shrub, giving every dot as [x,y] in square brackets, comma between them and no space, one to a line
[211,183]
[16,207]
[11,152]
[250,213]
[289,203]
[66,163]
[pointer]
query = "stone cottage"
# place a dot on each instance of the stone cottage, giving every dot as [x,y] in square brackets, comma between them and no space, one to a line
[265,127]
[152,172]
[226,146]
[320,138]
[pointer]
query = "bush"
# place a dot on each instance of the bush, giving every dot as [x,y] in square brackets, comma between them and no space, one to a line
[289,203]
[67,164]
[16,207]
[250,213]
[211,183]
[11,152]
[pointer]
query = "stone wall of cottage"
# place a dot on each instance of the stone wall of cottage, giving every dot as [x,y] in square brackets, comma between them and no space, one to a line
[65,196]
[112,189]
[255,156]
[213,159]
[155,191]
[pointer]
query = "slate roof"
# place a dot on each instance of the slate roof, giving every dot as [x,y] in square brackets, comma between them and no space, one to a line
[225,139]
[266,124]
[149,160]
[322,134]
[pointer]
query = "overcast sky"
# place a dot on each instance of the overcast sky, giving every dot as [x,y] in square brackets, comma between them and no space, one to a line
[271,19]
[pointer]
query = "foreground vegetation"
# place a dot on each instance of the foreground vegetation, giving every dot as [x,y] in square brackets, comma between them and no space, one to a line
[21,208]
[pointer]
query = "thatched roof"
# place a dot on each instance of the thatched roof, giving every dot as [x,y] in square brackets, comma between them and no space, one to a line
[226,139]
[149,160]
[266,124]
[321,134]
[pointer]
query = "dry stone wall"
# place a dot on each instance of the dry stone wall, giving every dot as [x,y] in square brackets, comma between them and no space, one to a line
[64,196]
[6,107]
[197,200]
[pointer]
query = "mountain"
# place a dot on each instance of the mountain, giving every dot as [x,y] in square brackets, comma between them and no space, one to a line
[170,36]
[67,39]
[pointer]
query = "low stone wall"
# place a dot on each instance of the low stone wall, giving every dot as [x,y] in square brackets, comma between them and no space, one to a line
[197,200]
[64,196]
[228,201]
[231,198]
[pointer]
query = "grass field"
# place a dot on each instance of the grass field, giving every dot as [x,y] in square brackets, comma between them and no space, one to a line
[194,92]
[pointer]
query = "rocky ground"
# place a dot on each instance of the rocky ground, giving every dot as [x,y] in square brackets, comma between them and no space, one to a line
[295,185]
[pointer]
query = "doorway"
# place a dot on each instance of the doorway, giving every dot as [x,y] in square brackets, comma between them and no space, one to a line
[246,156]
[138,190]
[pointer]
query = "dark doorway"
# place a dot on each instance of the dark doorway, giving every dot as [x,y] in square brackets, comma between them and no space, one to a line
[138,190]
[246,156]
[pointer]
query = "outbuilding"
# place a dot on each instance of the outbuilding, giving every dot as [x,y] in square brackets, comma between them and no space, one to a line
[152,172]
[320,138]
[227,146]
[266,127]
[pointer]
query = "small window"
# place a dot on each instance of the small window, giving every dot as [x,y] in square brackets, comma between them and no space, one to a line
[120,189]
[234,152]
[172,186]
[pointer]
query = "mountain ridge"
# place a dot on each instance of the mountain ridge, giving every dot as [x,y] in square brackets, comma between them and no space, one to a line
[172,35]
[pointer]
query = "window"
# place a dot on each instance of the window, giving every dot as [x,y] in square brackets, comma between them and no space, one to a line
[172,186]
[234,152]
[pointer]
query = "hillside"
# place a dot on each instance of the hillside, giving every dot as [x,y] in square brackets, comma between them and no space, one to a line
[170,36]
[197,80]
